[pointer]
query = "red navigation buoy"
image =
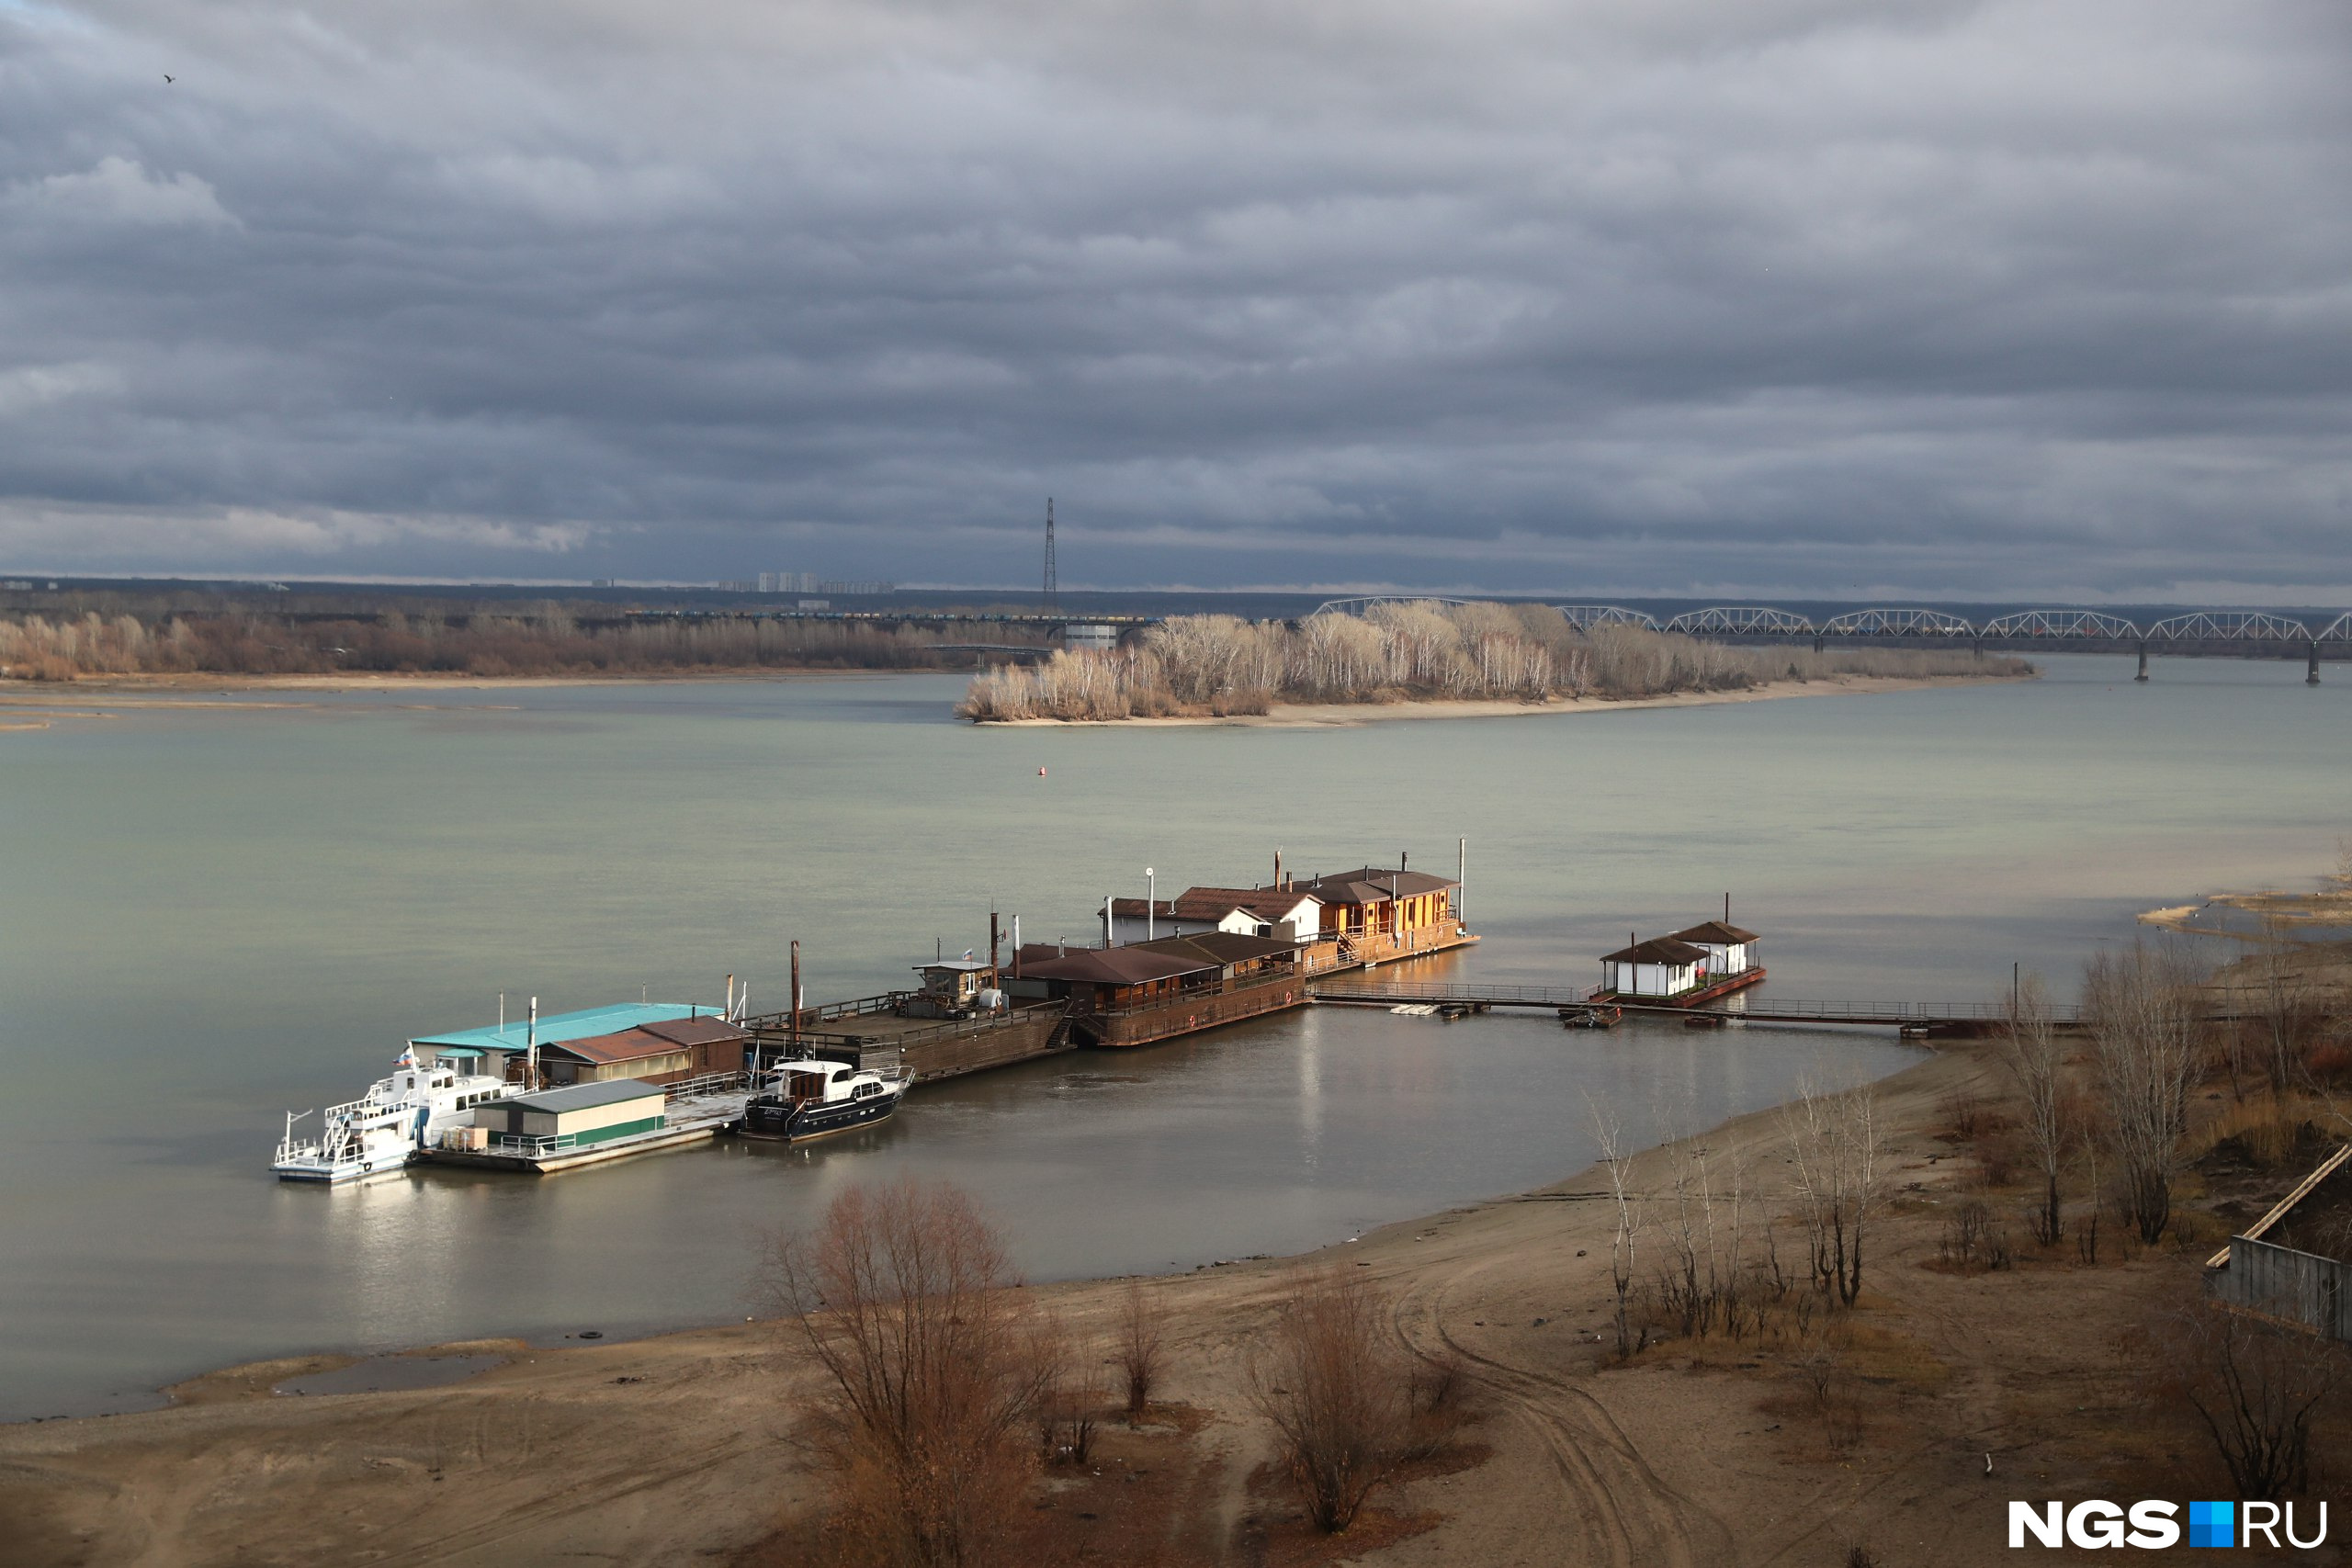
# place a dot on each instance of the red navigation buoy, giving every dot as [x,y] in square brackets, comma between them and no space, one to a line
[1041,772]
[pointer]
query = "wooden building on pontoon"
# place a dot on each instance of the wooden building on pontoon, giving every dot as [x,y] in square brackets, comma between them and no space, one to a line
[1730,951]
[1376,911]
[661,1041]
[1241,911]
[1154,990]
[665,1051]
[1661,968]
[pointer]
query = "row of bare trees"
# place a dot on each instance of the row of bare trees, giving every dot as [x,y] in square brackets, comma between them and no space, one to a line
[1697,1254]
[547,639]
[2151,1040]
[1218,664]
[2255,1387]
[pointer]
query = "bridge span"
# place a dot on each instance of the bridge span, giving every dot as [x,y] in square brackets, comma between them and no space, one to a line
[2242,633]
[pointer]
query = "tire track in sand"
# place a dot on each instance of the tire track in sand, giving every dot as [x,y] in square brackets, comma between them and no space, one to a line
[1635,1519]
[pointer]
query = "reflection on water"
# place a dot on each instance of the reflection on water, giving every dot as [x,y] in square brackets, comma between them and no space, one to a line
[209,917]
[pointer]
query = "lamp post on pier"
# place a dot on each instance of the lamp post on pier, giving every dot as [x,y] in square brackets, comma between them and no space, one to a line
[1148,908]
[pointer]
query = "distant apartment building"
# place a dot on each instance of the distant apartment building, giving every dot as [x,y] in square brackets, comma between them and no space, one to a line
[799,582]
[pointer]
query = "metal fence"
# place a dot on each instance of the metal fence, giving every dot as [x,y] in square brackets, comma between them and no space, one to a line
[2280,1282]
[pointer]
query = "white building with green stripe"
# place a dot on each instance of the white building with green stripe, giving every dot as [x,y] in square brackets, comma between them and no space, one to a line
[582,1116]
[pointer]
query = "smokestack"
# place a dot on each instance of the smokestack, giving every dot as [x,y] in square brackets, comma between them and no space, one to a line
[1016,947]
[992,946]
[730,999]
[1461,878]
[1726,908]
[531,1048]
[1106,919]
[793,1034]
[1278,868]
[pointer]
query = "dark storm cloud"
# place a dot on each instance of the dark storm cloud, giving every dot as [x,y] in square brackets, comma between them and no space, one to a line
[1813,295]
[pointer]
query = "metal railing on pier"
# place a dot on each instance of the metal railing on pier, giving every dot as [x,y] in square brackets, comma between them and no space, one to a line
[1762,1010]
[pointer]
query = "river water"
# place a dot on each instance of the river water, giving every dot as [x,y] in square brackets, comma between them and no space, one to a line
[210,915]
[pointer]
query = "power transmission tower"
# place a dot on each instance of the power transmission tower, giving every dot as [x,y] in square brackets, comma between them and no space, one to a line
[1053,582]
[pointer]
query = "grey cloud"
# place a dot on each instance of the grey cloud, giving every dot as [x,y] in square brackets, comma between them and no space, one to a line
[1945,298]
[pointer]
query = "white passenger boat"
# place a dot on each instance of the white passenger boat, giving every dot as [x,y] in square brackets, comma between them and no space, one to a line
[384,1129]
[814,1097]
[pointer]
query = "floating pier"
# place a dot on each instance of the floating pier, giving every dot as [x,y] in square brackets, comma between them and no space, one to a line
[1930,1017]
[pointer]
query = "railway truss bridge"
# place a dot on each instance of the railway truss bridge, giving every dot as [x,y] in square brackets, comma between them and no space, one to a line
[2241,633]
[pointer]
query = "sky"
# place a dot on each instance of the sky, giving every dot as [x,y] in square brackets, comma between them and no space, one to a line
[1740,298]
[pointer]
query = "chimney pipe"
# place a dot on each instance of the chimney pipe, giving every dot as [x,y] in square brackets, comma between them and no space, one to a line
[531,1048]
[992,946]
[1016,947]
[793,1027]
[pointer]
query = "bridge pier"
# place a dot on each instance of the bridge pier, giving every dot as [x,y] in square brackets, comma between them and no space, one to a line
[2144,663]
[2311,675]
[1816,642]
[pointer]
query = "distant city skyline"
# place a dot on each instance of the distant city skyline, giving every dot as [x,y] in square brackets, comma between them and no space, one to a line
[1937,300]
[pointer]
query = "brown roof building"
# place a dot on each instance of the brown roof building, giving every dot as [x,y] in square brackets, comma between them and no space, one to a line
[661,1052]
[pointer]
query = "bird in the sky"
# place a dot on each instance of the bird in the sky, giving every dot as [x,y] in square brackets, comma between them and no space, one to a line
[167,75]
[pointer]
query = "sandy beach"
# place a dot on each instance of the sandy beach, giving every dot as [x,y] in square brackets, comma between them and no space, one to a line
[676,1447]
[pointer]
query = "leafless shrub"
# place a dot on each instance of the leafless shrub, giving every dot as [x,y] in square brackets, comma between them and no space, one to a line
[938,1365]
[2255,1388]
[1964,1112]
[1341,1405]
[1067,1411]
[1143,1327]
[1974,1239]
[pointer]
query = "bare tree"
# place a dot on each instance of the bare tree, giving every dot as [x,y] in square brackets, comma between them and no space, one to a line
[1618,1163]
[1834,1145]
[2286,1011]
[1341,1407]
[2146,1027]
[2256,1386]
[2029,1049]
[1143,1324]
[938,1362]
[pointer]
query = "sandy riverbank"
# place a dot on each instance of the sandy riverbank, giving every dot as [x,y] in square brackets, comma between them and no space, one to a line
[1325,715]
[673,1449]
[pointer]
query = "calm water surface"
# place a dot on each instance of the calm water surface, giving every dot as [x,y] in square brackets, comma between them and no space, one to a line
[210,916]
